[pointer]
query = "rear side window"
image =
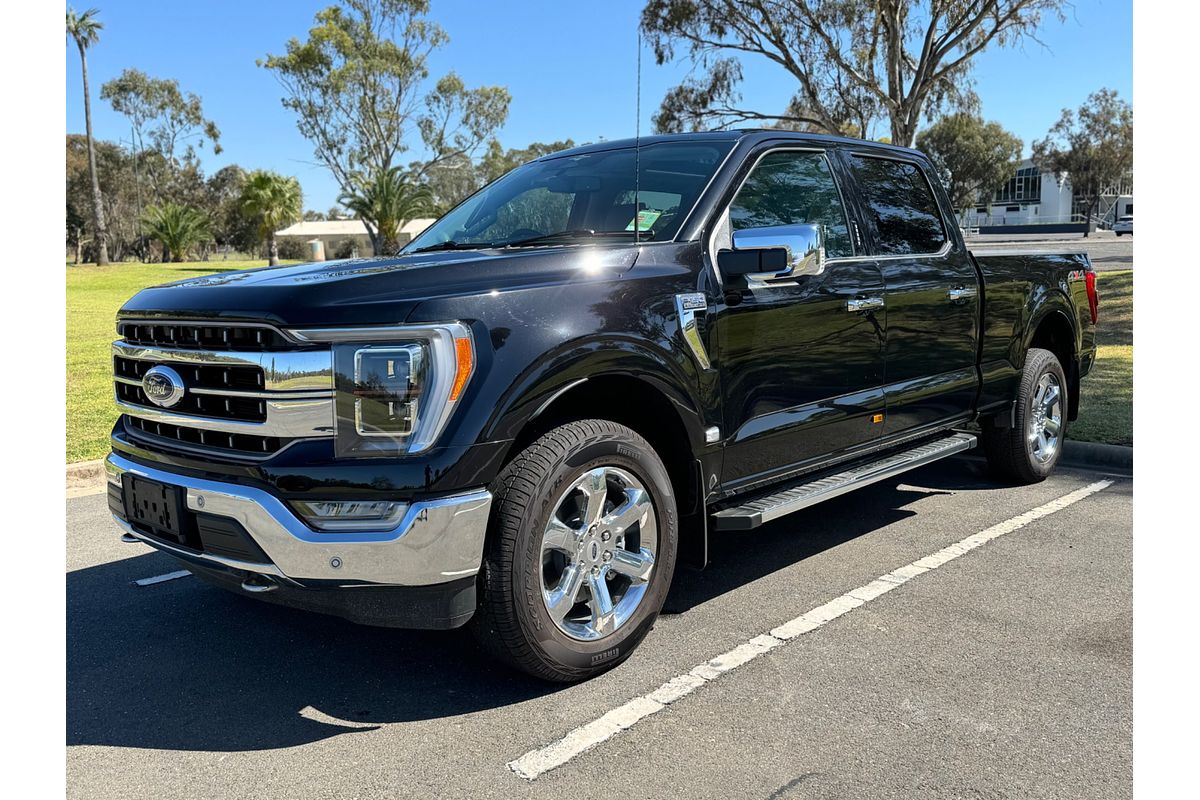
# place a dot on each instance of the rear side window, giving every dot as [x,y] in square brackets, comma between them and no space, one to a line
[901,205]
[793,188]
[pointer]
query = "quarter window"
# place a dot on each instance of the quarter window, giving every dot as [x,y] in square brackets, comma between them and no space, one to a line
[901,204]
[793,188]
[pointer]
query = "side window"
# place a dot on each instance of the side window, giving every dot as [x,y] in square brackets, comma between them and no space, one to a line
[793,188]
[901,204]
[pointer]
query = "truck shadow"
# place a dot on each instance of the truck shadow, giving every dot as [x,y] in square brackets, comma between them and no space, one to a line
[181,665]
[778,544]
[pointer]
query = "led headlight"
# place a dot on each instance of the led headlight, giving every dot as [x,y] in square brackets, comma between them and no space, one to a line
[395,388]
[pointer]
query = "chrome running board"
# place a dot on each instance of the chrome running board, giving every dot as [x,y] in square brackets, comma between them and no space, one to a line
[798,496]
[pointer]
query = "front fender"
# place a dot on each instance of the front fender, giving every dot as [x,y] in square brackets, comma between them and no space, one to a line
[664,366]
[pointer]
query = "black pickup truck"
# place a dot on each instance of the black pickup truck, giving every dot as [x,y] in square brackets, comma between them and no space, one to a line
[568,383]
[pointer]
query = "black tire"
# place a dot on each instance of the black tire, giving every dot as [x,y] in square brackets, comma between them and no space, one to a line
[1009,450]
[512,621]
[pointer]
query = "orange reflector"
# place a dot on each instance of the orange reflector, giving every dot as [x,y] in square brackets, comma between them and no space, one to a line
[878,418]
[465,358]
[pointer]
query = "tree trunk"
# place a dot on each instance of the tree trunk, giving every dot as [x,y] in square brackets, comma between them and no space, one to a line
[97,199]
[78,246]
[272,251]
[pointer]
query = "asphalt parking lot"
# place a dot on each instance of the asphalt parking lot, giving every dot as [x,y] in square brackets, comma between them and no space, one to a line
[1005,672]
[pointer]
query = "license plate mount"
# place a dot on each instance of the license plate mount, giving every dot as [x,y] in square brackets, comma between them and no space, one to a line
[154,505]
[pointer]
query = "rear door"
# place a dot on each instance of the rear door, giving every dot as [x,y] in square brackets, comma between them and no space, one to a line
[932,291]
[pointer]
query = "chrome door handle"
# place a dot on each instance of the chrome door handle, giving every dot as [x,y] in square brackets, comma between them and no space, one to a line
[864,304]
[962,293]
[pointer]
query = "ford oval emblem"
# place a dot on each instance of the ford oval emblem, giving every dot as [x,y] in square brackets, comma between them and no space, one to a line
[163,386]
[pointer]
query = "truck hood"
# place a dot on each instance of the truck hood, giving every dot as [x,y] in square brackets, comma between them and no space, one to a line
[368,291]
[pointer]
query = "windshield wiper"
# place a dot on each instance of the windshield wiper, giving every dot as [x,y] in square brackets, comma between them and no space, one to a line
[450,244]
[578,233]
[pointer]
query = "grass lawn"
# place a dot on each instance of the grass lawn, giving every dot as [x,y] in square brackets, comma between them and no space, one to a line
[1106,396]
[93,296]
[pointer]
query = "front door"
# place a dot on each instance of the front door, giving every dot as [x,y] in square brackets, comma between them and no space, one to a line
[800,358]
[932,293]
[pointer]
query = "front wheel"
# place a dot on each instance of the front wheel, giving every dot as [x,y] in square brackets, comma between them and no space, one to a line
[1028,451]
[581,549]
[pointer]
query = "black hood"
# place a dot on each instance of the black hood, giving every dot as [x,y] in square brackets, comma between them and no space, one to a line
[368,291]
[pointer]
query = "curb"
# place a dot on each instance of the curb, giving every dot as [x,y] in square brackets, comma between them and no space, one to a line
[85,477]
[1092,455]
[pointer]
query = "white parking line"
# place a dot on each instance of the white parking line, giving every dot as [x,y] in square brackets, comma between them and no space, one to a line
[538,762]
[170,576]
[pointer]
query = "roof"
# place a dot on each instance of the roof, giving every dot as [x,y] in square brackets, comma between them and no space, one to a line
[726,136]
[344,227]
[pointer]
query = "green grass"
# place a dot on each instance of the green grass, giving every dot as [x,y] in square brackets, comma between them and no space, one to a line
[1106,395]
[93,296]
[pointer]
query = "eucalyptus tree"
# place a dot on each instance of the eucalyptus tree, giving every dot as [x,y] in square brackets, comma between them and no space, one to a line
[167,125]
[972,157]
[361,91]
[852,60]
[1092,147]
[85,29]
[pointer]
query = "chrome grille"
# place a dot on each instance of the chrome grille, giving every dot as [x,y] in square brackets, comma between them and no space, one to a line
[239,403]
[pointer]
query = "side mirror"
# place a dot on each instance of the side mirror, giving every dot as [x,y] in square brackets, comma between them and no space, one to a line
[781,250]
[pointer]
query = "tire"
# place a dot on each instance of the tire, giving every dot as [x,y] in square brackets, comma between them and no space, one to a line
[522,575]
[1020,453]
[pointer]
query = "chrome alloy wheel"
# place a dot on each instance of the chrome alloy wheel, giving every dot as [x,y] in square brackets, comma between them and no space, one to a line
[1045,418]
[598,553]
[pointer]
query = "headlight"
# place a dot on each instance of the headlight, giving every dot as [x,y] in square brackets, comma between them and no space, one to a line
[395,388]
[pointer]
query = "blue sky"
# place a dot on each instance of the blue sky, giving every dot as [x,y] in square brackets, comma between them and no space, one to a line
[570,67]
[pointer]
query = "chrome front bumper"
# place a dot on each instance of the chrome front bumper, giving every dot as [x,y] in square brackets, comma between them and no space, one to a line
[437,541]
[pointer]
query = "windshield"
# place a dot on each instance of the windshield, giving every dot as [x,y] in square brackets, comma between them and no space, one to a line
[581,197]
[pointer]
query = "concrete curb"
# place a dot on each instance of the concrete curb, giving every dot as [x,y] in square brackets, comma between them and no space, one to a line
[1092,455]
[85,477]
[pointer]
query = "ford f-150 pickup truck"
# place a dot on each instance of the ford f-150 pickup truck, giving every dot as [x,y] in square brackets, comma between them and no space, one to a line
[562,388]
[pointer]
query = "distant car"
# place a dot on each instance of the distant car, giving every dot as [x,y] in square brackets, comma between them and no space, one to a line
[1124,225]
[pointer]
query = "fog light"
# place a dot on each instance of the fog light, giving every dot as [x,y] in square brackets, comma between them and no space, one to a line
[351,515]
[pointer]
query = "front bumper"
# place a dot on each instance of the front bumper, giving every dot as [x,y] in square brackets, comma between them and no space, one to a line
[438,541]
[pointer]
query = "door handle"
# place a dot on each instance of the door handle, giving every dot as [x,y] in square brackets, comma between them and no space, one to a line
[864,304]
[962,293]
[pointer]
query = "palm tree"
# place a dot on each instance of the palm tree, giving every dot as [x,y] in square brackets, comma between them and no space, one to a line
[385,204]
[273,200]
[177,227]
[85,30]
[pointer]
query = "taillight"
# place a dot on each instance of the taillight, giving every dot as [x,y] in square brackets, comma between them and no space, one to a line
[1093,295]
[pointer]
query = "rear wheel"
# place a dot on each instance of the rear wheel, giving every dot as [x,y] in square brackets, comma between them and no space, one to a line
[1028,451]
[581,551]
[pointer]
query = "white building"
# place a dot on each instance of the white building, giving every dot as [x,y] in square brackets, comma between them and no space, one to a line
[342,238]
[1032,197]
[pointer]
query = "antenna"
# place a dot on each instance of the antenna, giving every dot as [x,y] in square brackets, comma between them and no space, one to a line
[637,145]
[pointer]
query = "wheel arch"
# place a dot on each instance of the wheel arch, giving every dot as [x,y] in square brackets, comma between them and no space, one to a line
[1054,331]
[643,395]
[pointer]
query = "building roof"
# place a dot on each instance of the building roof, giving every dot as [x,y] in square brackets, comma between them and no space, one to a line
[344,227]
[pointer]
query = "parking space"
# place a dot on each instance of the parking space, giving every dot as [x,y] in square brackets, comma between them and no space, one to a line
[1003,672]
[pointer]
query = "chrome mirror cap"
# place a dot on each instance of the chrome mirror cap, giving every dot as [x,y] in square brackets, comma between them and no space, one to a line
[805,245]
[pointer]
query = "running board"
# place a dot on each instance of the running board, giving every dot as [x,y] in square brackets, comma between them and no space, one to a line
[764,509]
